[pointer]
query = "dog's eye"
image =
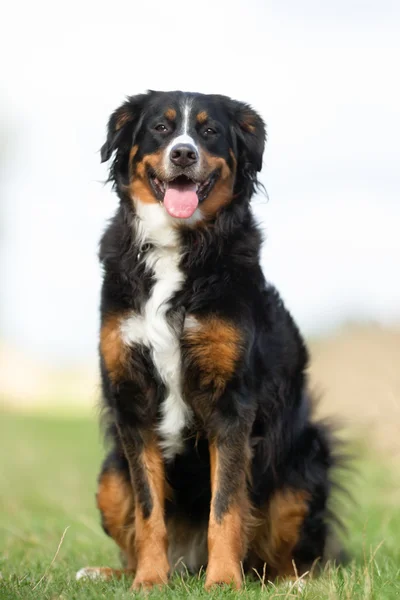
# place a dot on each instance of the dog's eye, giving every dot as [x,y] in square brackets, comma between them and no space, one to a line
[209,131]
[161,128]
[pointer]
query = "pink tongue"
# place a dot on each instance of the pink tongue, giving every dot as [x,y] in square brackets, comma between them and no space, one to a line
[180,199]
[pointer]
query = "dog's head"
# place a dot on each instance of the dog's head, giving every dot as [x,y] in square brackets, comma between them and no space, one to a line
[193,153]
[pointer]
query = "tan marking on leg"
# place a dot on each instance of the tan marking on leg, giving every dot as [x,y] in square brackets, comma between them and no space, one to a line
[151,532]
[226,536]
[115,501]
[279,529]
[116,504]
[113,350]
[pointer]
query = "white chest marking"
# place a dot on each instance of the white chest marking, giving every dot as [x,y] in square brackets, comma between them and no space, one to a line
[152,329]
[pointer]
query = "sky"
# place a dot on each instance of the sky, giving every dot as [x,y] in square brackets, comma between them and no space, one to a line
[324,76]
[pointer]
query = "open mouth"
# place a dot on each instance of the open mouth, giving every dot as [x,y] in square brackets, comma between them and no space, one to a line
[181,196]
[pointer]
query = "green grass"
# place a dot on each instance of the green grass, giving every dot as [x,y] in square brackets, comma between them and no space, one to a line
[48,475]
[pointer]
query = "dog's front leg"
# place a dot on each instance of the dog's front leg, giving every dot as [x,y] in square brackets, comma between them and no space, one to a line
[131,392]
[146,467]
[213,348]
[230,509]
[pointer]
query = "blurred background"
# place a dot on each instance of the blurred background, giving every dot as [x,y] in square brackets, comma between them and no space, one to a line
[323,76]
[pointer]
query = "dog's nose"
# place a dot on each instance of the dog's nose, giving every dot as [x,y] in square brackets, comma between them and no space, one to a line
[184,155]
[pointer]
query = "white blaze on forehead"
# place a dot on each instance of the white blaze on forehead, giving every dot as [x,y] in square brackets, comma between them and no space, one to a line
[186,114]
[183,137]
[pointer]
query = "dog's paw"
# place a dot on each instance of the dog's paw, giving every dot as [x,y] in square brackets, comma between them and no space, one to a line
[147,583]
[94,573]
[232,577]
[147,579]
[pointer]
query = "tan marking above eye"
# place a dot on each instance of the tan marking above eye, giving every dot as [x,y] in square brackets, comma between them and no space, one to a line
[202,117]
[170,114]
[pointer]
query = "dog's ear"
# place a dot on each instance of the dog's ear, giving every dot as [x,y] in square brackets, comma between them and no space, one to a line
[122,124]
[250,133]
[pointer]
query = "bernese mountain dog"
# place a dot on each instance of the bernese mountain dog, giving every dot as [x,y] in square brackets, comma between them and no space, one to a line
[215,460]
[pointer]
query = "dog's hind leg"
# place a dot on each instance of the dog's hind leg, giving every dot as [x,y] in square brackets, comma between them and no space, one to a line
[296,530]
[279,527]
[115,500]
